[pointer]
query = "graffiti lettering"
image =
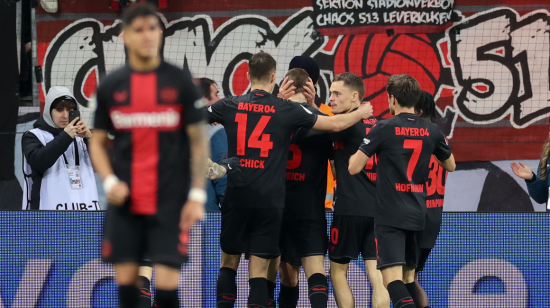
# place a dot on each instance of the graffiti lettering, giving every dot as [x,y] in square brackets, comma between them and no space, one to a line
[500,65]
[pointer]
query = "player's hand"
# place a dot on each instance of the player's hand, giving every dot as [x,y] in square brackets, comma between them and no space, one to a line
[366,110]
[118,194]
[523,172]
[309,93]
[192,212]
[71,128]
[83,131]
[286,90]
[232,164]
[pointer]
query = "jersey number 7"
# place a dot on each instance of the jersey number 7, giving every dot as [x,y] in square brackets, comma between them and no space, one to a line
[257,139]
[416,146]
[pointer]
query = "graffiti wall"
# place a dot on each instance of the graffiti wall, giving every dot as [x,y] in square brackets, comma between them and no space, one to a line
[489,70]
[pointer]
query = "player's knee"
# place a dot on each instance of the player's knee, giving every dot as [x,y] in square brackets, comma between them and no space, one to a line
[230,261]
[289,280]
[408,274]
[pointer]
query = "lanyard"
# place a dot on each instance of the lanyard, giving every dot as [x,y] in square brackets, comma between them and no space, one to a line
[76,155]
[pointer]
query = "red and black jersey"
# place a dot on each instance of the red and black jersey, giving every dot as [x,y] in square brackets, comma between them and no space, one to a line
[259,126]
[435,191]
[355,194]
[147,112]
[404,146]
[306,173]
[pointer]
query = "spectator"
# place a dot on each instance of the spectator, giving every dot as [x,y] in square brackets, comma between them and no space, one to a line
[56,164]
[215,189]
[537,184]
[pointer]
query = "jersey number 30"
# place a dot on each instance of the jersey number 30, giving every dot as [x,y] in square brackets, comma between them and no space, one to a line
[257,139]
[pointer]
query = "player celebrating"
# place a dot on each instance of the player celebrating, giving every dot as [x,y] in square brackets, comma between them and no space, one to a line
[259,126]
[352,230]
[149,106]
[435,191]
[304,230]
[404,146]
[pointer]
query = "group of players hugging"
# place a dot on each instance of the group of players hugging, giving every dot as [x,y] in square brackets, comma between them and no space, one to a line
[390,178]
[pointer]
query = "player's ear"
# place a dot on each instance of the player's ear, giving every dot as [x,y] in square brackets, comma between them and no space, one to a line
[273,78]
[355,96]
[248,76]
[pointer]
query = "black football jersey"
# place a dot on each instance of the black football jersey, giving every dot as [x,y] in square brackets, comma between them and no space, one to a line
[147,112]
[355,194]
[435,191]
[259,127]
[404,146]
[306,173]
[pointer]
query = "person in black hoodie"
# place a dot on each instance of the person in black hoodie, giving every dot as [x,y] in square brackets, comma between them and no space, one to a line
[57,167]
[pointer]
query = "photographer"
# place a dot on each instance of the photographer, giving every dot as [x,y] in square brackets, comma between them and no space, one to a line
[56,165]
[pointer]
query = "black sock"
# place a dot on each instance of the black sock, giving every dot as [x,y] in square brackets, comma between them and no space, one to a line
[167,299]
[226,289]
[257,298]
[411,288]
[399,295]
[271,294]
[288,296]
[318,290]
[128,296]
[144,293]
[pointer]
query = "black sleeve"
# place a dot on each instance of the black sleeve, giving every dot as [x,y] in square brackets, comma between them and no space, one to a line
[215,112]
[42,157]
[189,96]
[442,149]
[301,116]
[102,119]
[371,144]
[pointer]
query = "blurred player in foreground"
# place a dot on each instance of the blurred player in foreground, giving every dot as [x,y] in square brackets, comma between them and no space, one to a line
[155,194]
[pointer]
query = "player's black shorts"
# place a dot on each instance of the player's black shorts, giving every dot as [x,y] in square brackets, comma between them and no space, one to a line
[397,246]
[424,254]
[129,238]
[303,238]
[251,230]
[349,236]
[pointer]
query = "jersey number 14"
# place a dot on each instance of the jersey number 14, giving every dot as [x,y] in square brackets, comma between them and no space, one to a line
[257,139]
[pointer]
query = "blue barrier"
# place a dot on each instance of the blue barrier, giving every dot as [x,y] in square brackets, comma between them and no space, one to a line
[51,259]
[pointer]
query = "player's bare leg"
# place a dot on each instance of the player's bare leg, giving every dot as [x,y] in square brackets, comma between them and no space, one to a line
[342,291]
[393,281]
[166,283]
[226,288]
[271,278]
[289,294]
[145,274]
[257,272]
[314,266]
[380,296]
[126,279]
[421,294]
[408,280]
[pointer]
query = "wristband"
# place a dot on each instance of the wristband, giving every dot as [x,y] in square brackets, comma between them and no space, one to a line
[197,195]
[110,181]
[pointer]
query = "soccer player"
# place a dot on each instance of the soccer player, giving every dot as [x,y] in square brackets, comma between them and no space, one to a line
[352,229]
[155,194]
[304,229]
[404,146]
[259,126]
[435,191]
